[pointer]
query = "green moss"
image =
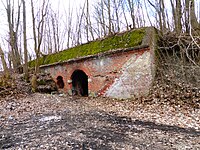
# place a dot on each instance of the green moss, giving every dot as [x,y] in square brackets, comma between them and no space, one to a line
[125,40]
[41,82]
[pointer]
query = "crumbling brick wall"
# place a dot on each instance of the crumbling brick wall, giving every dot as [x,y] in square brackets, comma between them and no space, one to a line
[122,74]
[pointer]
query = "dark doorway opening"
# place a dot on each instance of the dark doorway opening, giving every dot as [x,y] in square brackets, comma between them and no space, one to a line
[60,82]
[79,83]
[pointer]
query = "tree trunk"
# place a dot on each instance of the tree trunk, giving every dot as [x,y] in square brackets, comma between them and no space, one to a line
[38,35]
[25,43]
[109,18]
[13,33]
[116,7]
[159,13]
[53,20]
[193,19]
[125,18]
[178,24]
[173,14]
[190,17]
[87,20]
[162,6]
[5,68]
[131,7]
[187,16]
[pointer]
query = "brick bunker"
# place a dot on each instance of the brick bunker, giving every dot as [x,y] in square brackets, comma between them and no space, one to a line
[124,70]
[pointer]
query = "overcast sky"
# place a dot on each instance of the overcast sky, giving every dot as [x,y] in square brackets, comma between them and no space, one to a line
[61,5]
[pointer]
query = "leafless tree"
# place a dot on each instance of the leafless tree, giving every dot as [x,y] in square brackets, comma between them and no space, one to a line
[159,10]
[55,29]
[191,19]
[38,22]
[131,10]
[177,15]
[68,28]
[79,25]
[25,42]
[108,5]
[89,30]
[13,24]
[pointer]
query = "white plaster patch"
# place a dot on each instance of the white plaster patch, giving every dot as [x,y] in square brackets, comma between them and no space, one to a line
[101,62]
[58,68]
[69,81]
[136,78]
[89,80]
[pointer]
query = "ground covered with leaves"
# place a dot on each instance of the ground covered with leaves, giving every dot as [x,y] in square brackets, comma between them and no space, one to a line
[169,118]
[47,121]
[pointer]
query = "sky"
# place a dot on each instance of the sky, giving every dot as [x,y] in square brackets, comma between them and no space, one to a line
[61,5]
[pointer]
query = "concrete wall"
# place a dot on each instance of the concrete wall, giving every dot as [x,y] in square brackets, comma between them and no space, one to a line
[135,78]
[118,75]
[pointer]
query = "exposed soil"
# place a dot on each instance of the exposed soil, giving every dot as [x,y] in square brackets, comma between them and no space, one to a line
[46,121]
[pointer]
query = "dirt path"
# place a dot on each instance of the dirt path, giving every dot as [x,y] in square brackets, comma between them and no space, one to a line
[43,121]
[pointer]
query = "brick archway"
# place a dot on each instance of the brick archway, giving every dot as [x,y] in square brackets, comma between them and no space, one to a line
[60,82]
[79,83]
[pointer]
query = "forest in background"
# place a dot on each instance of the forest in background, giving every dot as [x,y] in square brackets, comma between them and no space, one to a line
[35,28]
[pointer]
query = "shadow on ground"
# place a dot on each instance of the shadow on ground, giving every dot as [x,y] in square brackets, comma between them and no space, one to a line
[95,130]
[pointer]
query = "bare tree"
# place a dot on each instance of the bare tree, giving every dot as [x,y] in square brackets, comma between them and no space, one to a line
[38,22]
[131,10]
[157,7]
[124,15]
[66,34]
[38,29]
[48,44]
[178,16]
[108,5]
[107,16]
[89,31]
[99,17]
[194,24]
[117,4]
[55,32]
[25,42]
[13,24]
[87,19]
[79,25]
[162,9]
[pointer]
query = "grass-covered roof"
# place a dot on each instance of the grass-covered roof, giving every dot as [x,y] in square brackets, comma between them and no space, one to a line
[122,40]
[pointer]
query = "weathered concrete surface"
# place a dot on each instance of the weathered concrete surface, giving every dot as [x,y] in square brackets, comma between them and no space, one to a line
[135,80]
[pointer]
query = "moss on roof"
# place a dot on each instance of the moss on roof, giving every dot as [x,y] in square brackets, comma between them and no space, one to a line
[123,40]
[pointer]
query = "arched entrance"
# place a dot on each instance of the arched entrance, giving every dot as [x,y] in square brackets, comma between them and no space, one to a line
[60,82]
[79,83]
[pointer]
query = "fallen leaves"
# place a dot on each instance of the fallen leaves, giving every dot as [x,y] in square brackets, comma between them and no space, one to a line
[58,121]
